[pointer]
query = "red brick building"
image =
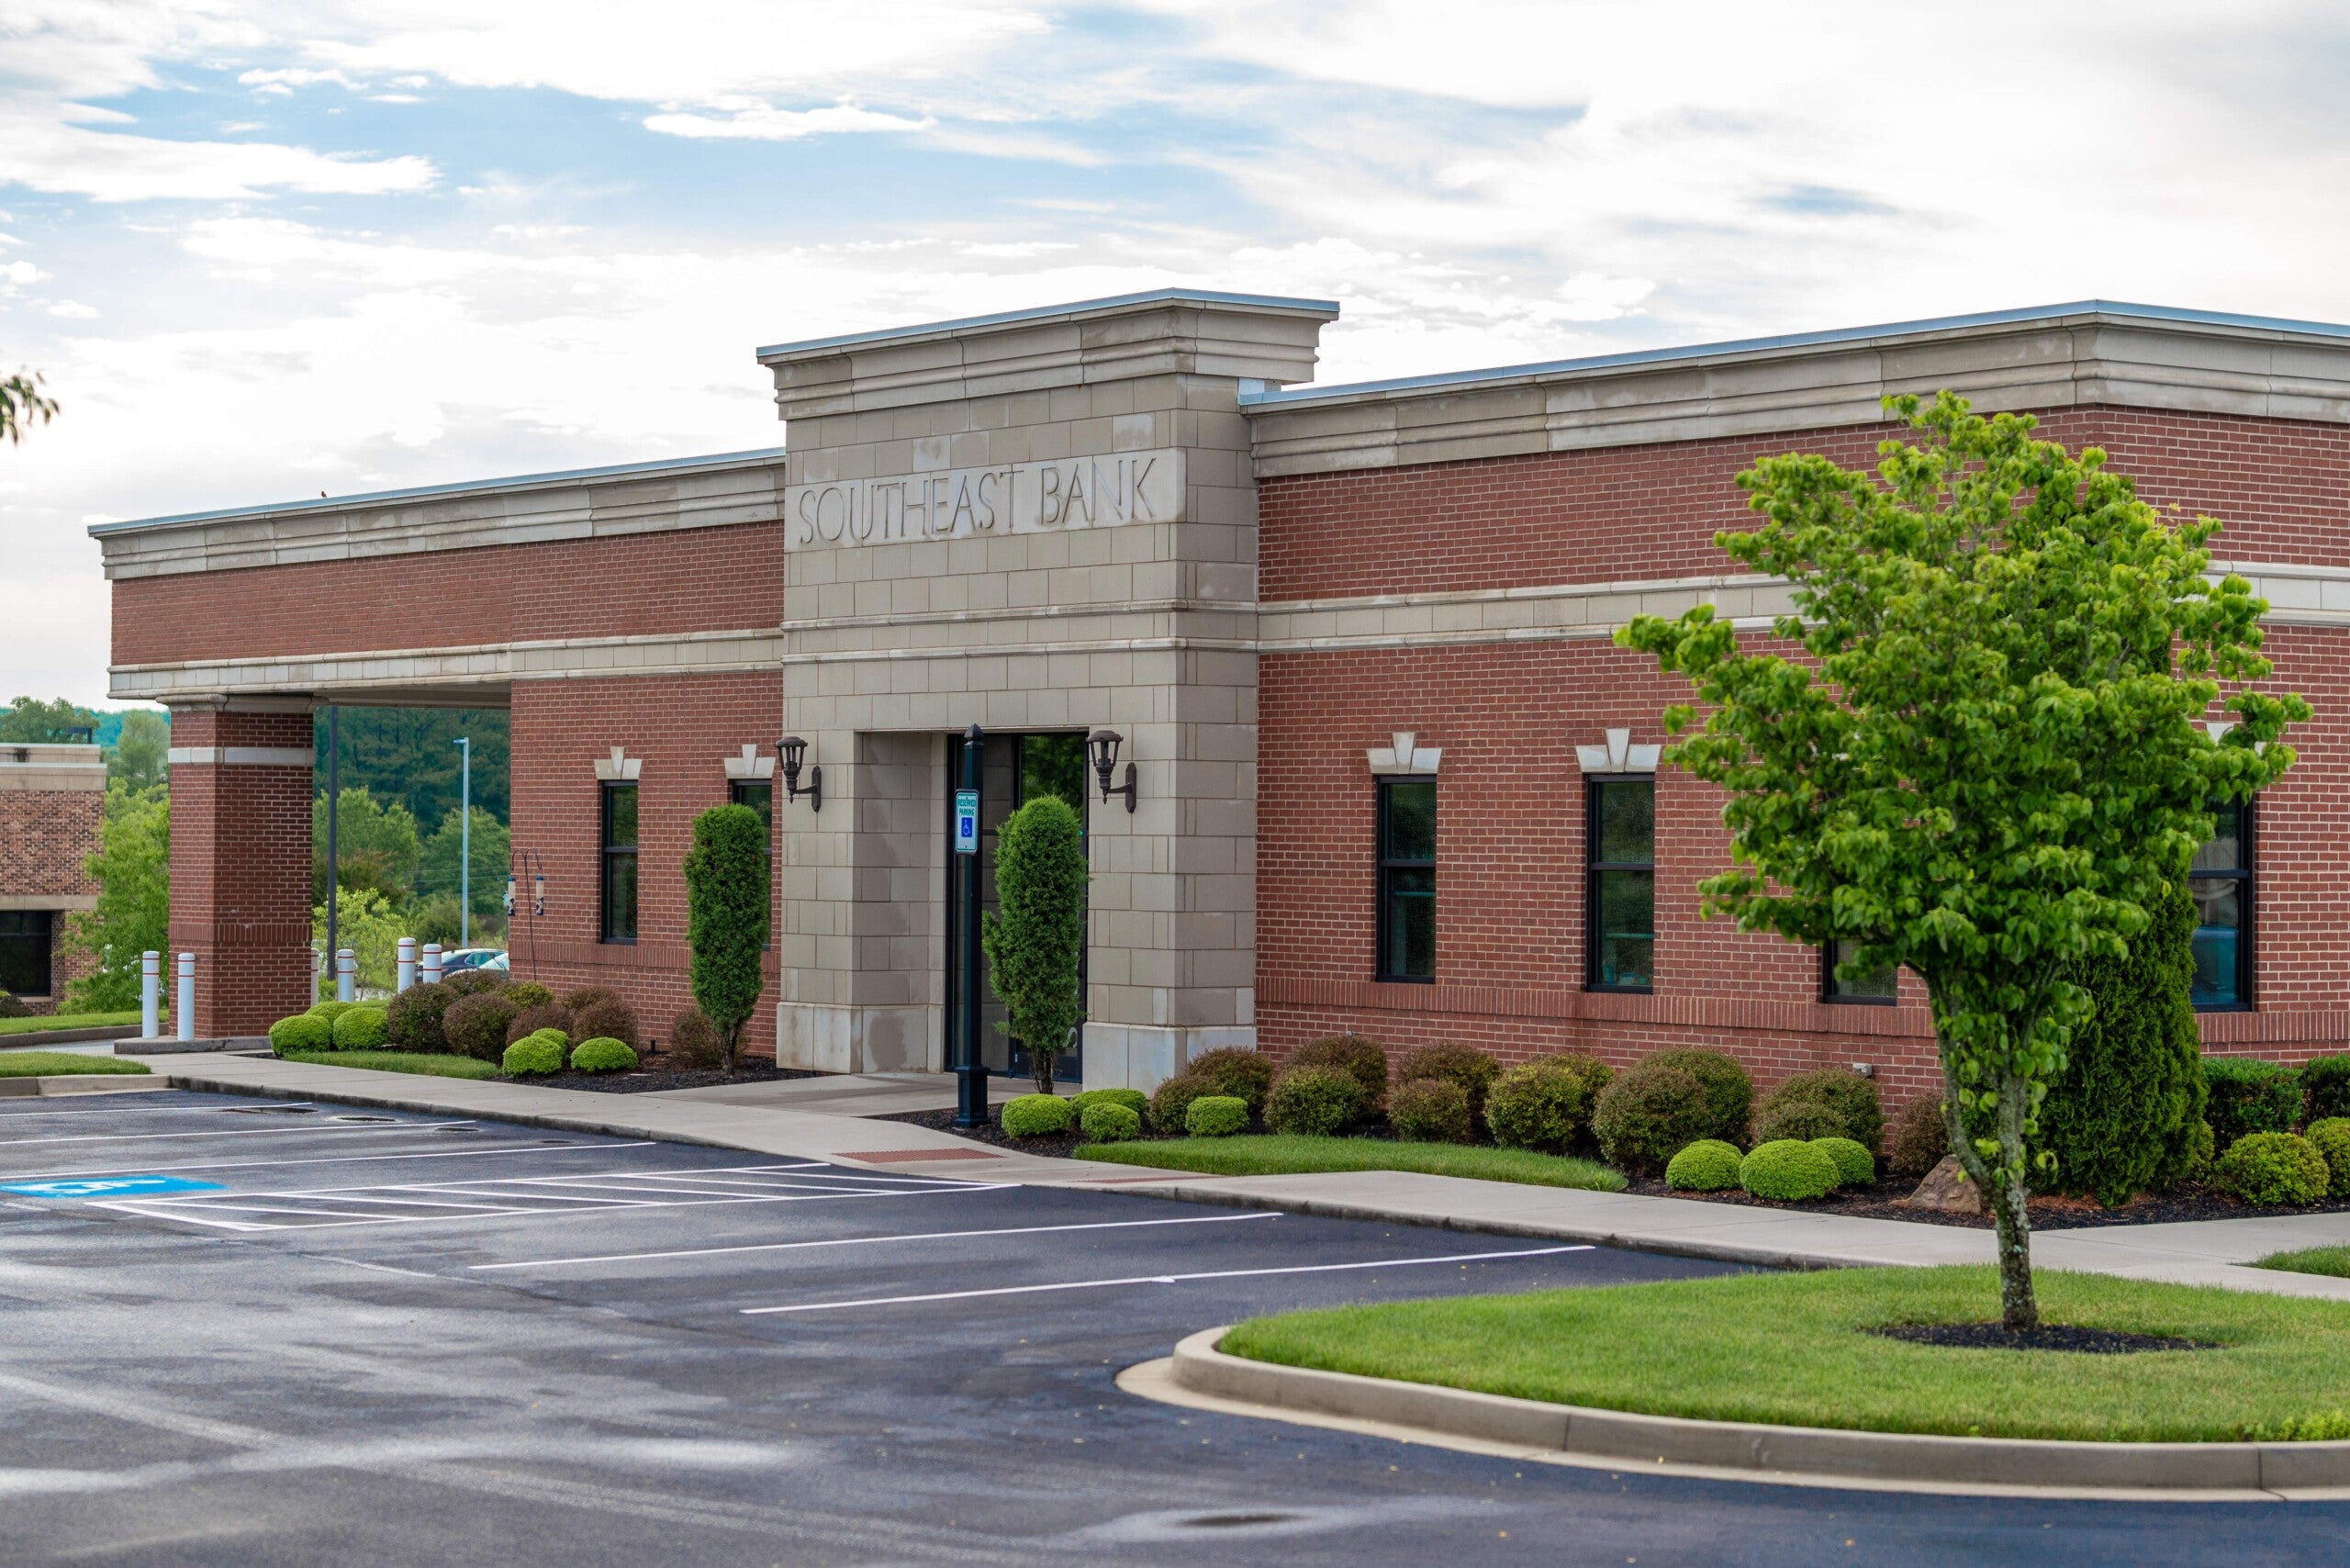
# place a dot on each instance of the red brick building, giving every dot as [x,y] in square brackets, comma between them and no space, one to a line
[52,804]
[1355,641]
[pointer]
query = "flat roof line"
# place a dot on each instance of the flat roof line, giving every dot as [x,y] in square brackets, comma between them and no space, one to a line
[1045,312]
[1308,394]
[419,492]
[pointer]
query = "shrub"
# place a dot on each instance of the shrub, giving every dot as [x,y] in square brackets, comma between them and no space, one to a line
[1110,1124]
[531,1020]
[473,982]
[1917,1140]
[2331,1138]
[1172,1099]
[527,995]
[2325,1089]
[726,921]
[1217,1115]
[1035,940]
[1465,1065]
[1595,1074]
[1849,1099]
[694,1042]
[2248,1095]
[587,996]
[360,1029]
[1315,1100]
[2272,1168]
[602,1053]
[11,1007]
[1650,1113]
[476,1024]
[1787,1171]
[1037,1115]
[413,1020]
[1366,1060]
[1239,1072]
[606,1017]
[330,1011]
[1730,1093]
[1543,1105]
[1431,1110]
[2200,1147]
[532,1054]
[302,1032]
[1708,1165]
[1134,1100]
[1855,1166]
[2118,1118]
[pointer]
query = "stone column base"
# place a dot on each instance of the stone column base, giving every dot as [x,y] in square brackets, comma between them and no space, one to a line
[1144,1055]
[822,1037]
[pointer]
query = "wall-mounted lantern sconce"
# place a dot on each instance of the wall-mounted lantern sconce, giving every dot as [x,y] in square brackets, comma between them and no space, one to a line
[1104,745]
[794,750]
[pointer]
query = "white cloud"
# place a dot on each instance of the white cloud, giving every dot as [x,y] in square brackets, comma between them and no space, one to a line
[74,311]
[763,122]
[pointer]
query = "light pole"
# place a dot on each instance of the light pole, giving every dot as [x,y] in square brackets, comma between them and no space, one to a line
[335,802]
[465,843]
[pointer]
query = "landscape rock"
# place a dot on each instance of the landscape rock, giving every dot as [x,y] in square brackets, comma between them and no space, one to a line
[1947,1188]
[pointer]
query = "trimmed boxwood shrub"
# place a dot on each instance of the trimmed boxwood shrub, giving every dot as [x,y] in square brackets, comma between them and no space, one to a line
[1037,1115]
[693,1040]
[1110,1124]
[1134,1100]
[1543,1105]
[476,1024]
[1236,1070]
[532,1054]
[1431,1110]
[2272,1168]
[2248,1095]
[1464,1065]
[1172,1099]
[1315,1100]
[2331,1138]
[1708,1165]
[302,1032]
[602,1053]
[1217,1115]
[1787,1171]
[528,994]
[413,1019]
[586,996]
[1848,1101]
[1366,1060]
[1653,1112]
[1855,1166]
[360,1029]
[330,1011]
[2325,1089]
[1918,1138]
[533,1018]
[475,982]
[604,1018]
[1730,1093]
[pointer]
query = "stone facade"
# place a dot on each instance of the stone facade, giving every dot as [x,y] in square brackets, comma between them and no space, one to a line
[52,805]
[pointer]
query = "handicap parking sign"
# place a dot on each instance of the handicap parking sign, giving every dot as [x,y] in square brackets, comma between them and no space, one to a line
[107,1186]
[967,821]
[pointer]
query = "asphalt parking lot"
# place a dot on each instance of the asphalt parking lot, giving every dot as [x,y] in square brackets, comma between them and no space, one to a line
[244,1331]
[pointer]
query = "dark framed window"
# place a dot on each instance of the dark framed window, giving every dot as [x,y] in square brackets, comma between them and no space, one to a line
[1406,914]
[759,795]
[2221,881]
[619,844]
[1619,898]
[1879,986]
[25,943]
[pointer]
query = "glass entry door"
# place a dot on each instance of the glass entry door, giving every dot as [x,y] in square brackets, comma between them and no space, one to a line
[1014,770]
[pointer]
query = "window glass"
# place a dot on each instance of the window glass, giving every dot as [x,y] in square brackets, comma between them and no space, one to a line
[2220,882]
[1872,985]
[759,795]
[23,952]
[1625,821]
[2224,851]
[1626,955]
[620,863]
[1620,898]
[1407,912]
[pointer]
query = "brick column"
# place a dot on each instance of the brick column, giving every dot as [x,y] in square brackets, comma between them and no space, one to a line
[240,865]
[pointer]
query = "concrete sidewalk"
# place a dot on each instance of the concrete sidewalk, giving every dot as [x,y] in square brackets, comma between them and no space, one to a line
[827,1119]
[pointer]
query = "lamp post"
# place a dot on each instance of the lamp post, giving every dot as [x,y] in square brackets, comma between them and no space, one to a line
[465,843]
[334,801]
[970,1072]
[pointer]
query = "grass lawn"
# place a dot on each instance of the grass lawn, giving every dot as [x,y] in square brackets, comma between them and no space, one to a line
[2334,1261]
[1278,1154]
[47,1064]
[66,1021]
[1788,1349]
[431,1065]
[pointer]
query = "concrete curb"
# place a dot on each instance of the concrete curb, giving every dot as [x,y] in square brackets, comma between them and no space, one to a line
[55,1084]
[40,1038]
[1897,1460]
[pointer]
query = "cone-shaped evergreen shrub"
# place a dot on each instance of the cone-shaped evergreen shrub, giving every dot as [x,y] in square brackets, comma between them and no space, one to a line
[1036,937]
[726,920]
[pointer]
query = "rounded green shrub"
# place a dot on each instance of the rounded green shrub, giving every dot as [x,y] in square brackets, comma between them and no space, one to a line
[531,1020]
[587,996]
[1787,1171]
[2272,1168]
[1543,1105]
[603,1018]
[475,982]
[413,1020]
[1595,1074]
[330,1011]
[1653,1112]
[1111,1123]
[1464,1065]
[1134,1100]
[1855,1166]
[2330,1138]
[1365,1060]
[530,1054]
[1708,1165]
[2201,1147]
[1171,1099]
[1037,1115]
[360,1029]
[2247,1095]
[1850,1102]
[302,1032]
[1729,1093]
[1918,1139]
[475,1025]
[1217,1115]
[1431,1110]
[528,994]
[604,1053]
[694,1042]
[1315,1101]
[2325,1087]
[1802,1120]
[1236,1070]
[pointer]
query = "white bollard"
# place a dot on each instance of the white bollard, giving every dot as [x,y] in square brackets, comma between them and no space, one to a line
[346,975]
[431,972]
[407,965]
[183,1009]
[151,994]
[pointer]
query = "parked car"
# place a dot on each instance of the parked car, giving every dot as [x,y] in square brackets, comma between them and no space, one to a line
[465,958]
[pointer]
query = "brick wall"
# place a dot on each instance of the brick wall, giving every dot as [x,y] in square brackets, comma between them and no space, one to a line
[241,872]
[45,836]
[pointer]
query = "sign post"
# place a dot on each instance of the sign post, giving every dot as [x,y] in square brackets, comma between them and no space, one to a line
[970,1071]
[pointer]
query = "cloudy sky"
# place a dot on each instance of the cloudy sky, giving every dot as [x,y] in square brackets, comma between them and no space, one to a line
[263,251]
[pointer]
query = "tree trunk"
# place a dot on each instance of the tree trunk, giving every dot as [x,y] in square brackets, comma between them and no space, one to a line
[2002,1187]
[1040,1064]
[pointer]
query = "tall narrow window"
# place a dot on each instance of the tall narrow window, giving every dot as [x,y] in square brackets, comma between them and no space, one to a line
[1879,985]
[2221,883]
[25,939]
[1619,912]
[759,795]
[1407,879]
[620,863]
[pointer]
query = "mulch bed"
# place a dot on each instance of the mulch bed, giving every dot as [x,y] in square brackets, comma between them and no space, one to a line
[2188,1202]
[2047,1337]
[652,1077]
[1056,1146]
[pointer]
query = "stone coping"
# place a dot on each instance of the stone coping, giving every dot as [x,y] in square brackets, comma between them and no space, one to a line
[1754,1451]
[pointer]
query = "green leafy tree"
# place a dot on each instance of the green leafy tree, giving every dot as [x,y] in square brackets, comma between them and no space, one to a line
[437,869]
[22,405]
[139,756]
[365,923]
[133,870]
[1034,944]
[376,847]
[1986,764]
[726,920]
[29,722]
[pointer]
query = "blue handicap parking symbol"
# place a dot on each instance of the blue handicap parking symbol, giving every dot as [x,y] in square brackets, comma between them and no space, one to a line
[107,1186]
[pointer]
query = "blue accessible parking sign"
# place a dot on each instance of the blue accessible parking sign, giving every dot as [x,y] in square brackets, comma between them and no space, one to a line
[967,821]
[107,1186]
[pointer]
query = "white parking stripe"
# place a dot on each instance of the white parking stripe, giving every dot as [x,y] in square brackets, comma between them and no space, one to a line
[870,1241]
[1159,1279]
[192,1211]
[152,1111]
[322,1160]
[307,1130]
